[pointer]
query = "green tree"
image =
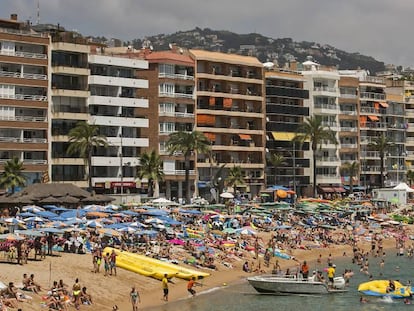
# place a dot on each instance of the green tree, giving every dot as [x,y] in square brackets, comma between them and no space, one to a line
[382,144]
[277,160]
[150,167]
[317,134]
[235,177]
[188,143]
[350,169]
[12,176]
[410,177]
[82,140]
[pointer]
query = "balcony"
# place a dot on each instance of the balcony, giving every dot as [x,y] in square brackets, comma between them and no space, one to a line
[175,76]
[23,54]
[326,108]
[26,161]
[371,96]
[176,114]
[24,97]
[349,129]
[23,118]
[348,112]
[176,95]
[9,74]
[8,139]
[177,172]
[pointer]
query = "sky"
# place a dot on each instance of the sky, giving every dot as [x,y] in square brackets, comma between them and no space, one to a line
[378,28]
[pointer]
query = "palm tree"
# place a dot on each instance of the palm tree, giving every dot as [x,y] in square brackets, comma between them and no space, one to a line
[382,144]
[410,177]
[12,176]
[317,134]
[150,167]
[188,143]
[82,140]
[277,160]
[351,170]
[235,177]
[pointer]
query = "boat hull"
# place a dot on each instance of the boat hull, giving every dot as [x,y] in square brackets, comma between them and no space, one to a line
[281,285]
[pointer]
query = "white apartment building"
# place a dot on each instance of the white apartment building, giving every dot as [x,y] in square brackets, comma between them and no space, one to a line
[322,84]
[113,102]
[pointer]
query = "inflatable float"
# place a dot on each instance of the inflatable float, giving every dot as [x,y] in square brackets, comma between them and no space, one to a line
[153,267]
[382,288]
[279,254]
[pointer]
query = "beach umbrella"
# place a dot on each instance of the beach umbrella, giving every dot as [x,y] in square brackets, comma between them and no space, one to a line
[93,224]
[281,193]
[128,229]
[163,201]
[112,207]
[147,232]
[227,195]
[26,214]
[13,221]
[245,231]
[47,214]
[50,230]
[154,221]
[31,233]
[34,219]
[73,213]
[32,208]
[94,208]
[155,212]
[109,232]
[55,224]
[96,215]
[130,213]
[137,224]
[10,237]
[229,230]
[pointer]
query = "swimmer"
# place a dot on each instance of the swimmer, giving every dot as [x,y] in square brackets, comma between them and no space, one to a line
[363,300]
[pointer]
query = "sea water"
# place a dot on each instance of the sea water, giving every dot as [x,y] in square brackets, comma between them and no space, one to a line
[243,297]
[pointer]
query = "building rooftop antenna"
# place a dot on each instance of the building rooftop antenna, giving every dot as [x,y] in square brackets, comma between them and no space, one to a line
[38,13]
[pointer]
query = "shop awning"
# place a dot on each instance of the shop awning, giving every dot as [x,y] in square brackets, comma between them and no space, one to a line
[327,189]
[285,136]
[373,118]
[245,137]
[339,189]
[383,105]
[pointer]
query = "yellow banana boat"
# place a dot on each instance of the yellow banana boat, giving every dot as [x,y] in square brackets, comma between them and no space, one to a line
[153,267]
[382,288]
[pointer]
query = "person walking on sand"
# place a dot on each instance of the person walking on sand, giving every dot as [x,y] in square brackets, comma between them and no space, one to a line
[191,283]
[135,298]
[112,261]
[165,287]
[76,291]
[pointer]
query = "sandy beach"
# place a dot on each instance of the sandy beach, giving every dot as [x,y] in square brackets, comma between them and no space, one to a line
[107,291]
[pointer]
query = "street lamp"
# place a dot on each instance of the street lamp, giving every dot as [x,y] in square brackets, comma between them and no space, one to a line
[294,170]
[121,167]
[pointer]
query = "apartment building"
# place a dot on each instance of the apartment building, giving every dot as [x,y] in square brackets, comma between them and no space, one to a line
[285,112]
[323,85]
[116,76]
[230,111]
[372,123]
[171,109]
[398,119]
[24,82]
[349,143]
[69,103]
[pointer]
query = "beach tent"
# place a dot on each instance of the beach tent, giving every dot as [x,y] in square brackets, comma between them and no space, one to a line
[403,186]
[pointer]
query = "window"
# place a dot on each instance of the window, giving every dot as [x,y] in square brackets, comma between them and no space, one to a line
[167,127]
[168,88]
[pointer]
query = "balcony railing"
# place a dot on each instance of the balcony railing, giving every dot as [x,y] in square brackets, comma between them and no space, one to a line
[175,76]
[9,74]
[371,95]
[26,161]
[23,118]
[23,54]
[176,114]
[22,140]
[348,129]
[325,89]
[176,95]
[23,32]
[178,172]
[24,97]
[348,112]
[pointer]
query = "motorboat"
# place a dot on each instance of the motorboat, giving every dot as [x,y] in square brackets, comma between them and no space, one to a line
[273,284]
